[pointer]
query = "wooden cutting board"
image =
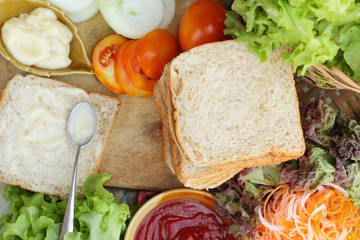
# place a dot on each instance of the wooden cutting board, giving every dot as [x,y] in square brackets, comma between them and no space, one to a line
[133,154]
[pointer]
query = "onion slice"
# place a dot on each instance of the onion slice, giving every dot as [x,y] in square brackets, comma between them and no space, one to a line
[84,15]
[72,5]
[169,12]
[132,18]
[77,10]
[340,189]
[269,225]
[325,214]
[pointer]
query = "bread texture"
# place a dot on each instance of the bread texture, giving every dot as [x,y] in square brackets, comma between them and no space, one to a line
[222,110]
[230,107]
[34,150]
[189,174]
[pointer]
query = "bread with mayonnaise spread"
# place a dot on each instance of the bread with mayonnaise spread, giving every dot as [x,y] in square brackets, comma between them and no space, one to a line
[34,150]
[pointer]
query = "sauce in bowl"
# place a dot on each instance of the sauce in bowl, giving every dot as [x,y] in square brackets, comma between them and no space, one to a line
[182,219]
[179,214]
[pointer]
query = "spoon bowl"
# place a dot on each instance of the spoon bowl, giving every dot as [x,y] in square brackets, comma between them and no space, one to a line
[82,107]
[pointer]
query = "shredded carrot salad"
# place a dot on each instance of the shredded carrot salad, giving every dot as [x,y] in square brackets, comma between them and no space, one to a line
[325,214]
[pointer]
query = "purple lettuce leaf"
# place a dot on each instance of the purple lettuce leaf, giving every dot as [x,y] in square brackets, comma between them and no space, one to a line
[232,201]
[318,120]
[332,155]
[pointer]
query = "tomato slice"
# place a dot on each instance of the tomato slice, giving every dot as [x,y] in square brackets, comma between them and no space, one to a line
[103,61]
[132,67]
[156,49]
[123,78]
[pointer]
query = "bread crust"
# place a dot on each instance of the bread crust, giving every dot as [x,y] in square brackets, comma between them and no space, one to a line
[116,113]
[165,137]
[27,187]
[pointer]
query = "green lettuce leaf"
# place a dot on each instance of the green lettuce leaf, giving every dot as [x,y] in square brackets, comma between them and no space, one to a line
[354,189]
[53,231]
[313,30]
[264,175]
[349,42]
[260,180]
[37,216]
[331,10]
[324,167]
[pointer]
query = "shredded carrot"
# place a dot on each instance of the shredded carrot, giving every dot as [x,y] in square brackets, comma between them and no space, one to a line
[272,193]
[325,214]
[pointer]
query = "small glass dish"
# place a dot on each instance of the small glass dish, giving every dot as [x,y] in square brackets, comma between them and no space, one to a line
[80,62]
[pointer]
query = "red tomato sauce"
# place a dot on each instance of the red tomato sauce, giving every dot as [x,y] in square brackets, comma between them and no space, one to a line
[183,220]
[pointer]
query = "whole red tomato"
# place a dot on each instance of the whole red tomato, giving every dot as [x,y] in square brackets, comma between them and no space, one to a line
[154,50]
[202,22]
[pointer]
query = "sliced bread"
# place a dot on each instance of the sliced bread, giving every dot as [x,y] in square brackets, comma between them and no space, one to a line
[228,107]
[189,174]
[34,150]
[223,110]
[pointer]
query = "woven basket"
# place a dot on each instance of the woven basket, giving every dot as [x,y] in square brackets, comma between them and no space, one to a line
[330,78]
[345,100]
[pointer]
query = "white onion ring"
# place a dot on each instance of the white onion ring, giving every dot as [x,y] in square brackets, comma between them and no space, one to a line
[169,11]
[132,18]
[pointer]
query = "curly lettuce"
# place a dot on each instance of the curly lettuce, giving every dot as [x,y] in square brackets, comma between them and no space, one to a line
[36,216]
[333,151]
[332,156]
[316,31]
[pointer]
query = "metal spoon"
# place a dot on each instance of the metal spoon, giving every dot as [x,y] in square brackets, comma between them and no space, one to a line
[78,118]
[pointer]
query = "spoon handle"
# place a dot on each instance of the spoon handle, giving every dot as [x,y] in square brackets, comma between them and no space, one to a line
[68,222]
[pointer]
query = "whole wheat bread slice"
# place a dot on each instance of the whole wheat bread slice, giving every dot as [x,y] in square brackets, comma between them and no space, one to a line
[169,110]
[189,174]
[230,108]
[169,147]
[34,150]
